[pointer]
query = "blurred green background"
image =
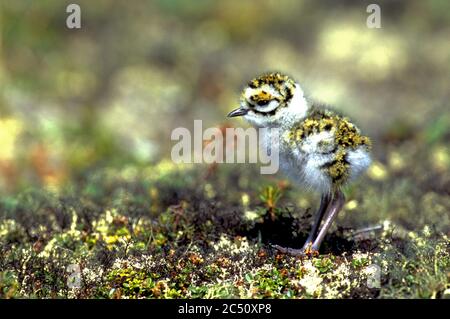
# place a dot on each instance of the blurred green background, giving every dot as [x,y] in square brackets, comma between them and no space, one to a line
[110,93]
[86,178]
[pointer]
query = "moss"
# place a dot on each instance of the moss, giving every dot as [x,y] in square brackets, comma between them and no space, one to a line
[9,284]
[131,283]
[159,233]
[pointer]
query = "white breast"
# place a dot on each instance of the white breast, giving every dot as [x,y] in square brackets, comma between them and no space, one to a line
[303,164]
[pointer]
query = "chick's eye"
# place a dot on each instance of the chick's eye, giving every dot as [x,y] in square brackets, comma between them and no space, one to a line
[262,102]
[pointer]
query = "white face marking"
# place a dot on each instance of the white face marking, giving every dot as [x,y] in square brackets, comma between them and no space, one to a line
[286,116]
[298,106]
[267,88]
[272,105]
[268,107]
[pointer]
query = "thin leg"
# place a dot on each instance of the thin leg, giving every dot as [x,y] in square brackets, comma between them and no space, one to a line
[334,208]
[324,202]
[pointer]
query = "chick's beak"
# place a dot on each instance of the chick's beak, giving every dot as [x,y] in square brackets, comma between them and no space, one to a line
[237,112]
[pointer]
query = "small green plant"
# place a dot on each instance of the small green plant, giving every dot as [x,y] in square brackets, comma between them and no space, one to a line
[270,197]
[324,264]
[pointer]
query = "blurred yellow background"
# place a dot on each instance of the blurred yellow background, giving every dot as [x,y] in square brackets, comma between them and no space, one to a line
[111,92]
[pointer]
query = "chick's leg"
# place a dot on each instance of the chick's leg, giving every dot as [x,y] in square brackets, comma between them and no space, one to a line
[324,203]
[335,206]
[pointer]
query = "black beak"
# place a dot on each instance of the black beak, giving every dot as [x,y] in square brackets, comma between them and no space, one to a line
[237,112]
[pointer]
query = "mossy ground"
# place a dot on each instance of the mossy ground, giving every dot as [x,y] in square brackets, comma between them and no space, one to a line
[81,111]
[174,231]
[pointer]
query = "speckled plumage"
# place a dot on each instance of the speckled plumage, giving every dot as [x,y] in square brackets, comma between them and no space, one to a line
[318,148]
[325,150]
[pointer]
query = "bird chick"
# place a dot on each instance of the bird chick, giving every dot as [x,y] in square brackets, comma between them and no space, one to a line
[318,148]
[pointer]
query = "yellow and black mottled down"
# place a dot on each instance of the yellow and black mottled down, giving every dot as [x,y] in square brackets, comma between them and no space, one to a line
[281,83]
[346,136]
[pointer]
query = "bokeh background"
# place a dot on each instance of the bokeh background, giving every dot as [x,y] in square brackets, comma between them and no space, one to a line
[85,173]
[110,93]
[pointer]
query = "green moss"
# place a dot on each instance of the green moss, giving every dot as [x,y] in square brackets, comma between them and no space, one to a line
[9,284]
[141,235]
[131,283]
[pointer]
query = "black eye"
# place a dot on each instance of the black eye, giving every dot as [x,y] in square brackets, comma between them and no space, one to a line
[261,103]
